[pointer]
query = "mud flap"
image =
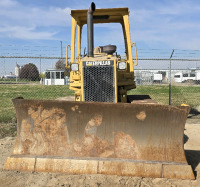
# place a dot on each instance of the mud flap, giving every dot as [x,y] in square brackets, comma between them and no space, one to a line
[100,138]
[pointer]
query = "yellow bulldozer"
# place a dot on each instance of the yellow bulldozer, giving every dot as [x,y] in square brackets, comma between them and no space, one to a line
[104,130]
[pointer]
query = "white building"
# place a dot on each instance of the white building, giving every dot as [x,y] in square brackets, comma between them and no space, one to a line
[54,77]
[148,76]
[189,75]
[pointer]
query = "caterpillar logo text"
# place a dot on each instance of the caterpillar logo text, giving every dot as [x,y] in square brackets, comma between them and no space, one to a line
[98,63]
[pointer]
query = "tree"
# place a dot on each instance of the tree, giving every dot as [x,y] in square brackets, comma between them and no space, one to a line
[60,64]
[29,72]
[42,75]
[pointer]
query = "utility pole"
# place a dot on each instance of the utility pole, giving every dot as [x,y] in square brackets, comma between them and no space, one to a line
[61,49]
[4,67]
[170,68]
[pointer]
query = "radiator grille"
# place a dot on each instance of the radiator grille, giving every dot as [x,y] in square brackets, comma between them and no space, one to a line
[98,83]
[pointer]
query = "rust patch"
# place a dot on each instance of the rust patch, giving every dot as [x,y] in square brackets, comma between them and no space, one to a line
[92,145]
[46,133]
[141,116]
[125,146]
[42,134]
[74,108]
[91,127]
[95,121]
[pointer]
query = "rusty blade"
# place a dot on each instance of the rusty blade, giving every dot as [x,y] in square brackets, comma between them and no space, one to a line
[137,132]
[80,129]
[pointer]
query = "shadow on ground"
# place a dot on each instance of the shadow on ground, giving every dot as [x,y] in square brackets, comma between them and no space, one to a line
[186,138]
[193,158]
[193,112]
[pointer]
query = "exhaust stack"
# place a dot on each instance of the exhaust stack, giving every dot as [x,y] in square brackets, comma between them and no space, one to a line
[90,29]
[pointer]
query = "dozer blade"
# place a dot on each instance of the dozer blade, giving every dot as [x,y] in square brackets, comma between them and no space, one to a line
[143,140]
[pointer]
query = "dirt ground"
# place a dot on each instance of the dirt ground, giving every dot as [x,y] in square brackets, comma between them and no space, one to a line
[16,179]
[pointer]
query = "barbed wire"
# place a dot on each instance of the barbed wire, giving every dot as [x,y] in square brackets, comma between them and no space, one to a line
[63,58]
[55,51]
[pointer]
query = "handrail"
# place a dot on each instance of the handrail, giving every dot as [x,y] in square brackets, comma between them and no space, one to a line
[68,46]
[136,58]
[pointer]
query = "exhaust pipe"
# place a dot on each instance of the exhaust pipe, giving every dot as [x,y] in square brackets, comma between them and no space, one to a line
[90,29]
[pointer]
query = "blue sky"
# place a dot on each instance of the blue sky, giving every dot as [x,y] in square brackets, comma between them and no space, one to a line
[154,24]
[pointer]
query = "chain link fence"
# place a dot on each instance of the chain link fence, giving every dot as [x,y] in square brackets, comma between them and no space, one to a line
[155,80]
[43,77]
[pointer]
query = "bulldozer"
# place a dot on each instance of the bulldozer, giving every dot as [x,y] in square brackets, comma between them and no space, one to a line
[103,130]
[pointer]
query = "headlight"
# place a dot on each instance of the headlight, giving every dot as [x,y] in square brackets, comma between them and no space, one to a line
[122,65]
[74,67]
